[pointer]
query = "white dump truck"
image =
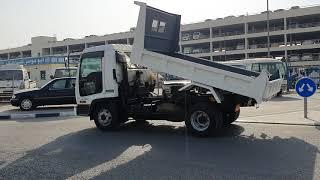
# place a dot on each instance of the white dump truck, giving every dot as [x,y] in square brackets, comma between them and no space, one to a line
[111,86]
[14,77]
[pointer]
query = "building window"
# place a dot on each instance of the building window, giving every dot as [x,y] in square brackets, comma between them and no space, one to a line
[42,75]
[29,77]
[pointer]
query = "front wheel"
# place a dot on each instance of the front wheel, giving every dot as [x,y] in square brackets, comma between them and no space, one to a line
[106,117]
[203,119]
[26,104]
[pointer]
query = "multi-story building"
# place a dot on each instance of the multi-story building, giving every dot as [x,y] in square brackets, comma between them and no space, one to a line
[45,54]
[294,35]
[47,46]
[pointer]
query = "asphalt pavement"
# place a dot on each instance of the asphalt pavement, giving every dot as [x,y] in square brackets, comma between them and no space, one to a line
[75,149]
[72,148]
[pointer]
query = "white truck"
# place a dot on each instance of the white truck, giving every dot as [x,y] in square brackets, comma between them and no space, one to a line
[14,77]
[110,88]
[64,72]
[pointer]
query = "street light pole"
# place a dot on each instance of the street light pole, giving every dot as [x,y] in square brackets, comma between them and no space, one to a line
[268,29]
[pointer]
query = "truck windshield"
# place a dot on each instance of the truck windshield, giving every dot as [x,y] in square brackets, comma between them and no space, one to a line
[276,69]
[65,73]
[11,75]
[90,76]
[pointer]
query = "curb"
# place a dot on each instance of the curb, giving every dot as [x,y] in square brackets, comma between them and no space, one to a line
[36,115]
[279,123]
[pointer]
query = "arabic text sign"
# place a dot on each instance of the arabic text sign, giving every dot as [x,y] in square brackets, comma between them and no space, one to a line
[306,87]
[37,60]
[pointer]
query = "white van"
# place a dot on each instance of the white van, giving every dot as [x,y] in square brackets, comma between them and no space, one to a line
[274,66]
[12,78]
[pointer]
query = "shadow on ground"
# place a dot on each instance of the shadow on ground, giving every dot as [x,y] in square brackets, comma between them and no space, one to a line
[172,155]
[285,98]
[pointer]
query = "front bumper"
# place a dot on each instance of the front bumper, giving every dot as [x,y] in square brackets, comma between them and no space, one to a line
[14,102]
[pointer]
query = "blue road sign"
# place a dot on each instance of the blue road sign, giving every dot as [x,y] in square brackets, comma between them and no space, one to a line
[306,87]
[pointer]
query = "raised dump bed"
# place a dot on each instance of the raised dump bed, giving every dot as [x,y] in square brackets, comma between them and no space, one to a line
[156,46]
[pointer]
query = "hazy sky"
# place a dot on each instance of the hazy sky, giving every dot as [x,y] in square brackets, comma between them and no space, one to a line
[22,19]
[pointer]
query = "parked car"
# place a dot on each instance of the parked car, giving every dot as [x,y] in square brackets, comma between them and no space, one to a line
[185,37]
[187,50]
[306,57]
[294,58]
[307,42]
[56,92]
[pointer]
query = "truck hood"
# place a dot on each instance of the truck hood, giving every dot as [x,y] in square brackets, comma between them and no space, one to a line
[26,90]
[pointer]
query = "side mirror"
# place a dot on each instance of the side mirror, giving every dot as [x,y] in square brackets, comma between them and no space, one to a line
[51,77]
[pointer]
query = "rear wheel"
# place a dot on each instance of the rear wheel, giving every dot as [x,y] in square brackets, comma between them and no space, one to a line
[106,117]
[230,117]
[203,119]
[279,94]
[26,104]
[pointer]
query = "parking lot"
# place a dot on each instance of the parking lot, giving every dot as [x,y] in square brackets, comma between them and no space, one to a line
[271,142]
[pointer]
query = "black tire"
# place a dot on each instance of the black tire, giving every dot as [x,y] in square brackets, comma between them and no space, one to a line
[230,117]
[211,118]
[106,117]
[279,94]
[26,104]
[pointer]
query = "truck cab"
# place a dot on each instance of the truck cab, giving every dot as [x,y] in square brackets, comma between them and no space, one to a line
[12,78]
[103,70]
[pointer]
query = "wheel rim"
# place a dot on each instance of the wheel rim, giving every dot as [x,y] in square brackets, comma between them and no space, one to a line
[200,120]
[26,104]
[105,117]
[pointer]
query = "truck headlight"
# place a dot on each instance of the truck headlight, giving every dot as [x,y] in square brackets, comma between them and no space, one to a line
[13,97]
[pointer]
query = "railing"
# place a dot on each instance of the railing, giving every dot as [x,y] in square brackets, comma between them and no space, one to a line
[59,52]
[196,51]
[190,37]
[304,57]
[304,25]
[275,28]
[233,33]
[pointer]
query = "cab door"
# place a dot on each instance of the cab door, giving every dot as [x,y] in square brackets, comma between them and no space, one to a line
[97,76]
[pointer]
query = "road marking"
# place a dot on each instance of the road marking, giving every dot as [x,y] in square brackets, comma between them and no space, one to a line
[128,155]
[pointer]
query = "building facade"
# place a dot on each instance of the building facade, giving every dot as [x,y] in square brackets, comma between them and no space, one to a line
[294,35]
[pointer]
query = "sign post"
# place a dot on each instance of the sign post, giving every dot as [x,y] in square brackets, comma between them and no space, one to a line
[305,100]
[305,87]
